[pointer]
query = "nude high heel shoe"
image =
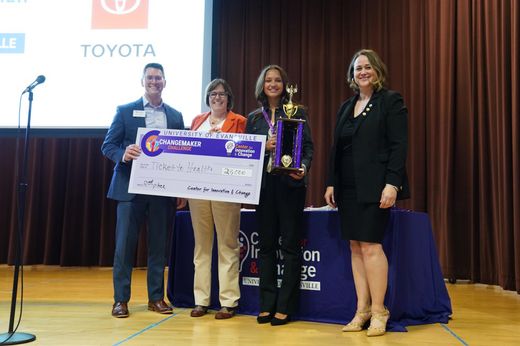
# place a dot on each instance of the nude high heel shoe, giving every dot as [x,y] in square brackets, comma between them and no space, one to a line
[378,323]
[358,322]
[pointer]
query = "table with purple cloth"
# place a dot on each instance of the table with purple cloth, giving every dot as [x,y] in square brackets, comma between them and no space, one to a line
[416,290]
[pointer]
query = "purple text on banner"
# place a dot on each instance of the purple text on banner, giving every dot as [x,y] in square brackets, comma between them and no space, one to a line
[208,147]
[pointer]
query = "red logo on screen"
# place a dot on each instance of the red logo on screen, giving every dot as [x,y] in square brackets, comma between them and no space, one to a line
[119,14]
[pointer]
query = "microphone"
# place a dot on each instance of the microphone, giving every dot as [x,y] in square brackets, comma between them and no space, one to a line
[39,80]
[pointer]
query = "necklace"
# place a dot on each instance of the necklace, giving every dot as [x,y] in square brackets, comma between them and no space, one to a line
[213,121]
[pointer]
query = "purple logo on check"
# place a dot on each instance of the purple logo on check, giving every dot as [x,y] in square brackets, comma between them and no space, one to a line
[150,143]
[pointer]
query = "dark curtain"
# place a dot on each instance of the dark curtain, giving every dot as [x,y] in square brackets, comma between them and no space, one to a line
[456,63]
[68,219]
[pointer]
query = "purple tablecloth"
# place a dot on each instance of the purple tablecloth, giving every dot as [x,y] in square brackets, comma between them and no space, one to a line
[416,290]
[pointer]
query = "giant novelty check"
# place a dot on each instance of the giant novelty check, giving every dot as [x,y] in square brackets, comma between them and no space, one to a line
[214,166]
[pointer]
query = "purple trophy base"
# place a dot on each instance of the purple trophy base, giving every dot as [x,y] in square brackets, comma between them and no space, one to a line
[289,136]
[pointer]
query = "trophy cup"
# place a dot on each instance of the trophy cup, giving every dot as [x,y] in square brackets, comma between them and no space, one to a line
[289,135]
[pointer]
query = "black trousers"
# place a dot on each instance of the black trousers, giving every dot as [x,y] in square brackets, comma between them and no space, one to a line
[280,218]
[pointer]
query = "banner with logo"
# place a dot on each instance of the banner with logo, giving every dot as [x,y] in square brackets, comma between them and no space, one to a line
[416,291]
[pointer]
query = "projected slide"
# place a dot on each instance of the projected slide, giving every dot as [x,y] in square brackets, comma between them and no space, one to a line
[92,53]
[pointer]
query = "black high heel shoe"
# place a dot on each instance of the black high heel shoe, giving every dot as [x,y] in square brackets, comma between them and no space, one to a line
[264,319]
[280,321]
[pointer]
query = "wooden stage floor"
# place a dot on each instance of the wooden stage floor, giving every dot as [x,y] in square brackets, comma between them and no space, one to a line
[71,306]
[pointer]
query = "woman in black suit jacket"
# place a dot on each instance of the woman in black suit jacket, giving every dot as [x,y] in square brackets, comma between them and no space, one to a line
[366,175]
[282,199]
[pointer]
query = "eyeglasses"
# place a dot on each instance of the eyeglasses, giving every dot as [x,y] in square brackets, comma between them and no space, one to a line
[214,94]
[154,78]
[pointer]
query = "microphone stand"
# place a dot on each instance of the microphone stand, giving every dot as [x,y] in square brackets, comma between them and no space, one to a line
[12,337]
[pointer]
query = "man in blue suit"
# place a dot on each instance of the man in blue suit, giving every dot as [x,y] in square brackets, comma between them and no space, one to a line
[119,146]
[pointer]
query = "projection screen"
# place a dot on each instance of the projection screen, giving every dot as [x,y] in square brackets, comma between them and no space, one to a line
[92,53]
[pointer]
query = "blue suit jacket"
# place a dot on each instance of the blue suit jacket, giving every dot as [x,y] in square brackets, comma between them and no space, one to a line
[122,133]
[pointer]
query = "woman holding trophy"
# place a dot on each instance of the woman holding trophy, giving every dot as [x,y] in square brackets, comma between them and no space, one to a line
[289,150]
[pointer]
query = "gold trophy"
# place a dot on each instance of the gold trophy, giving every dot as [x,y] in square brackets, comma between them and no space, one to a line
[290,108]
[289,135]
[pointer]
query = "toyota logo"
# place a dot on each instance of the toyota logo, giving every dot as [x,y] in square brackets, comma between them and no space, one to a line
[120,7]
